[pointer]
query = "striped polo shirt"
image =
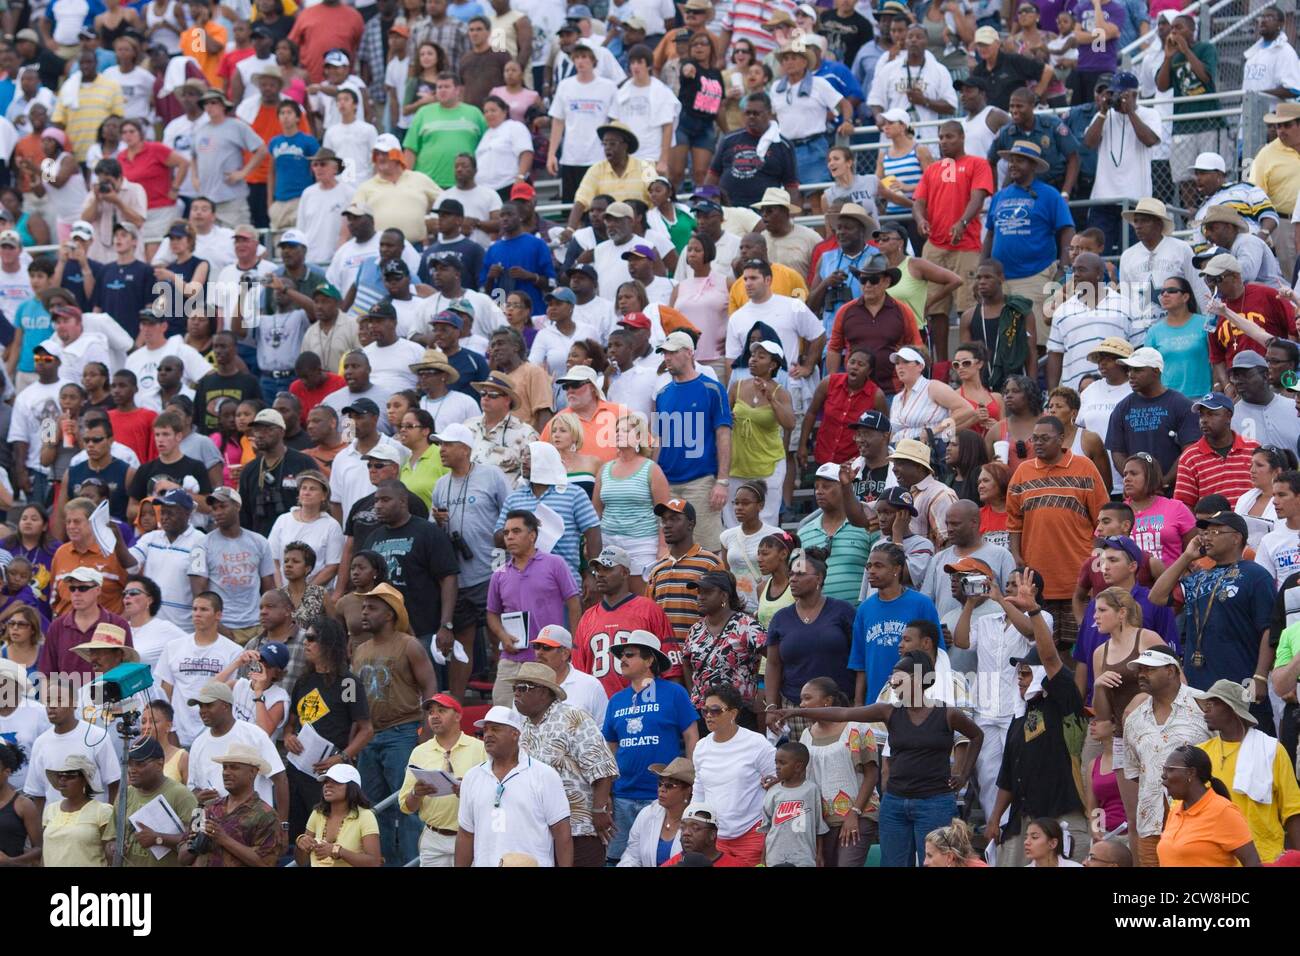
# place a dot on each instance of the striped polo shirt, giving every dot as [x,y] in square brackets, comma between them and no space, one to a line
[1203,471]
[847,565]
[1078,326]
[670,584]
[746,20]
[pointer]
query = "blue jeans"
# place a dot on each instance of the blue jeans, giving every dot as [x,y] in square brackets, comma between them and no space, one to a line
[904,823]
[273,386]
[810,158]
[383,767]
[625,811]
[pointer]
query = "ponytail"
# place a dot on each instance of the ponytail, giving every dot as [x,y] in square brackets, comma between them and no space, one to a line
[1198,762]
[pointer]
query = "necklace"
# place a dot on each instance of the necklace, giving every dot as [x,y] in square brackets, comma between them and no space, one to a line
[809,618]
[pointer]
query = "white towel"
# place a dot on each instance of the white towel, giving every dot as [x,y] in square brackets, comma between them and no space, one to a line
[767,139]
[70,93]
[1254,775]
[174,75]
[1035,688]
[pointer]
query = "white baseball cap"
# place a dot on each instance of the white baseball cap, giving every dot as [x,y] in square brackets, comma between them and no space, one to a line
[454,433]
[1210,161]
[1144,358]
[502,715]
[675,342]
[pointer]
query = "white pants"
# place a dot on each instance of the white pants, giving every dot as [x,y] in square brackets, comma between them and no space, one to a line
[771,505]
[437,849]
[989,763]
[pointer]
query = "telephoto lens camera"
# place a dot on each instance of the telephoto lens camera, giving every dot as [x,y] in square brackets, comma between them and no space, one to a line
[461,547]
[200,842]
[975,585]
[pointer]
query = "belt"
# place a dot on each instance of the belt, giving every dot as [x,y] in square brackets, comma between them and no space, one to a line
[807,139]
[433,829]
[277,373]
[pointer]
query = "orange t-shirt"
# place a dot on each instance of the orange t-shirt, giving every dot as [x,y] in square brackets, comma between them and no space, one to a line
[1205,835]
[267,125]
[598,431]
[1055,508]
[206,46]
[28,148]
[67,559]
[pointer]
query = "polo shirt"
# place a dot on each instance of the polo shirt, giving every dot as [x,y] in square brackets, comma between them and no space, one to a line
[647,725]
[1204,834]
[671,583]
[421,474]
[465,754]
[513,814]
[57,655]
[96,101]
[1203,471]
[601,179]
[1025,225]
[167,562]
[1010,73]
[541,589]
[401,204]
[1049,134]
[888,330]
[1054,508]
[687,416]
[1276,170]
[597,431]
[67,559]
[847,563]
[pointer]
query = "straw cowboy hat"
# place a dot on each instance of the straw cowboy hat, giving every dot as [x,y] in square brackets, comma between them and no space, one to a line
[247,755]
[108,637]
[1023,147]
[1226,214]
[497,382]
[393,598]
[1151,207]
[535,672]
[679,769]
[851,210]
[435,360]
[775,196]
[909,449]
[798,48]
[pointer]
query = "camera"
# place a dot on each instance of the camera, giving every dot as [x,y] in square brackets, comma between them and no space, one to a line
[200,842]
[461,547]
[974,585]
[105,187]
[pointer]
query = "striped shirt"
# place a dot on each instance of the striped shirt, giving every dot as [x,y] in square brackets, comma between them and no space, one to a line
[1203,471]
[670,584]
[1076,330]
[746,19]
[601,180]
[96,101]
[571,504]
[907,170]
[167,562]
[849,547]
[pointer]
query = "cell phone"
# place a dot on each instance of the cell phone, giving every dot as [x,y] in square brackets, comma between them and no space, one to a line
[255,667]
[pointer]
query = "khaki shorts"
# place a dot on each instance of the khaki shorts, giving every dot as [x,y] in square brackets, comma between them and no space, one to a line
[1036,289]
[242,635]
[234,212]
[964,262]
[284,214]
[708,523]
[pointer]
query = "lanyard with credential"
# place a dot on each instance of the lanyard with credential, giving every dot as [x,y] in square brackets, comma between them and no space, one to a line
[1200,620]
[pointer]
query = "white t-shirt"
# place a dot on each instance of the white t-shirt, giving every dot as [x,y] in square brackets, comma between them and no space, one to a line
[1123,162]
[354,143]
[451,408]
[319,212]
[50,748]
[226,293]
[324,535]
[583,107]
[35,417]
[347,259]
[248,68]
[635,388]
[646,110]
[152,639]
[349,477]
[479,202]
[802,116]
[1096,402]
[22,727]
[551,347]
[73,357]
[246,707]
[727,777]
[167,563]
[498,153]
[205,772]
[611,267]
[599,314]
[15,289]
[660,290]
[187,666]
[790,318]
[144,363]
[390,365]
[137,89]
[518,820]
[395,75]
[328,106]
[1279,552]
[279,340]
[179,135]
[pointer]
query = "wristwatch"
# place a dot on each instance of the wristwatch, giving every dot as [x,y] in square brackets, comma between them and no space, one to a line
[447,625]
[260,700]
[158,840]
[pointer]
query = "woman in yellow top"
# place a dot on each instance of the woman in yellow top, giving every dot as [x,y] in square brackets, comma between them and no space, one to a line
[423,469]
[760,410]
[1204,827]
[342,830]
[156,722]
[79,830]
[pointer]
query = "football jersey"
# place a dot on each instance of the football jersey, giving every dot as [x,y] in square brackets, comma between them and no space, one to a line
[602,627]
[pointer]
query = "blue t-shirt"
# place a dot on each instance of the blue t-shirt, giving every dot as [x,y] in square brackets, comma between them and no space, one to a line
[648,728]
[114,476]
[34,319]
[123,290]
[292,166]
[523,250]
[472,368]
[687,415]
[877,629]
[819,649]
[1025,226]
[75,282]
[471,262]
[1162,427]
[1229,631]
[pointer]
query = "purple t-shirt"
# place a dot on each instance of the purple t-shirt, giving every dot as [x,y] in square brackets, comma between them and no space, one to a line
[1096,56]
[1158,619]
[541,589]
[1048,11]
[1160,528]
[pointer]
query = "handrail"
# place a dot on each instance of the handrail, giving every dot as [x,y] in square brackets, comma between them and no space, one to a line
[377,809]
[1135,45]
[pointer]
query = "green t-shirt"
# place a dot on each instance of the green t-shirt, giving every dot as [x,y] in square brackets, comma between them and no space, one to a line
[182,802]
[1187,83]
[438,135]
[1288,643]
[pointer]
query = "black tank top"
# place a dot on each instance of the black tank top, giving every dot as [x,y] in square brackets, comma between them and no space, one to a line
[13,833]
[919,763]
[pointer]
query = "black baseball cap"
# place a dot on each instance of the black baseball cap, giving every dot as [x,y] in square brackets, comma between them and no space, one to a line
[874,420]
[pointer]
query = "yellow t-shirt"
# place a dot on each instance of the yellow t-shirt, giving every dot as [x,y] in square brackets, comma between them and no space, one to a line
[78,838]
[601,179]
[442,813]
[1265,819]
[403,204]
[357,825]
[785,281]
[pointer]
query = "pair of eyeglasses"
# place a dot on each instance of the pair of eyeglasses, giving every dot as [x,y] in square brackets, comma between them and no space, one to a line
[405,425]
[133,592]
[378,464]
[666,784]
[872,280]
[1040,439]
[523,687]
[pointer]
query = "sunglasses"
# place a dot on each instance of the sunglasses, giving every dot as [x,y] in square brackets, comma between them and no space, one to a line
[963,363]
[570,386]
[43,359]
[379,464]
[1172,290]
[523,687]
[872,280]
[715,711]
[80,588]
[665,784]
[1212,280]
[134,592]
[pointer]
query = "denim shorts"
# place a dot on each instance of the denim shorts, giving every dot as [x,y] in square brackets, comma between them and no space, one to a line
[695,132]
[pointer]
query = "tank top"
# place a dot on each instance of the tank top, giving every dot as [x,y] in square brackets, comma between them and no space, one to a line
[756,440]
[1106,789]
[1013,457]
[624,503]
[1076,446]
[391,689]
[907,170]
[919,762]
[979,138]
[995,410]
[911,290]
[65,201]
[584,480]
[768,606]
[912,410]
[13,832]
[1121,696]
[167,36]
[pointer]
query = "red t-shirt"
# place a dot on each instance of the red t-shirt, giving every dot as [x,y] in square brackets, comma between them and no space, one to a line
[602,627]
[1263,306]
[321,28]
[135,431]
[150,171]
[946,187]
[727,859]
[226,69]
[310,398]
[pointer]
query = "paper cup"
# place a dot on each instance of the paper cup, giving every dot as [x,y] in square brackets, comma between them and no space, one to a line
[1001,449]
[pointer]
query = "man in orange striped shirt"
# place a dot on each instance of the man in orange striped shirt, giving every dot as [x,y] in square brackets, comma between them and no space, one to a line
[1053,503]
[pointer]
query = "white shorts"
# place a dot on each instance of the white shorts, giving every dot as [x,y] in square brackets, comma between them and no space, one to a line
[644,552]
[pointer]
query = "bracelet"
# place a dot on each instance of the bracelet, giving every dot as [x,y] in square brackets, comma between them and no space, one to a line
[721,481]
[601,810]
[1258,677]
[1034,613]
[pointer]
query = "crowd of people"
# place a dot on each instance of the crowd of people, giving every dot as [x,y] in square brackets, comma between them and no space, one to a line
[812,485]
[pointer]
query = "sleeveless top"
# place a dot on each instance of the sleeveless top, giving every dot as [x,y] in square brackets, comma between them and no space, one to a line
[912,410]
[907,170]
[911,290]
[919,754]
[391,688]
[167,36]
[756,440]
[1013,458]
[13,832]
[995,410]
[584,480]
[768,606]
[1105,788]
[1121,696]
[172,767]
[624,502]
[979,138]
[1076,446]
[108,35]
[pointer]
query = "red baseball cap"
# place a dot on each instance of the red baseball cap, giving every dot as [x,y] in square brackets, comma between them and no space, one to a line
[443,700]
[635,320]
[523,191]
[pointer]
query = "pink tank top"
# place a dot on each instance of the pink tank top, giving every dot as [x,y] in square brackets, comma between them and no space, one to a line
[1106,789]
